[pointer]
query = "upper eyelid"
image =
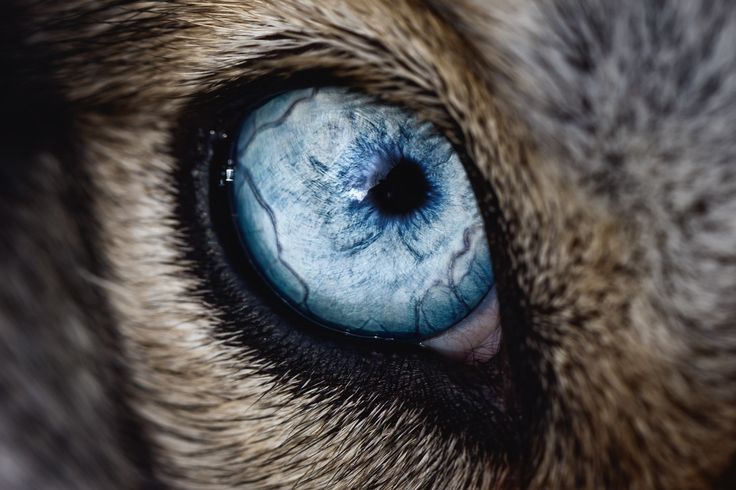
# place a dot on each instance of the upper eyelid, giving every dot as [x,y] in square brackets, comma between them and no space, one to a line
[227,123]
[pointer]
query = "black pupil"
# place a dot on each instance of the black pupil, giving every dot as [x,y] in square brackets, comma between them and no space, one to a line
[403,190]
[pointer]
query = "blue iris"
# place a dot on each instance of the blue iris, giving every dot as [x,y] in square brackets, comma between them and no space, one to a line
[359,215]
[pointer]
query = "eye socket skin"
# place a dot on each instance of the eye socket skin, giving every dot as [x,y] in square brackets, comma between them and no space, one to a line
[449,392]
[361,218]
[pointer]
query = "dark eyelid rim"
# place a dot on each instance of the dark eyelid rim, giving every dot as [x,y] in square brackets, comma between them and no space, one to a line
[223,134]
[486,398]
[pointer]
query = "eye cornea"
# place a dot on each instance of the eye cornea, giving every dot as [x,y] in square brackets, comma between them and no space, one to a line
[363,220]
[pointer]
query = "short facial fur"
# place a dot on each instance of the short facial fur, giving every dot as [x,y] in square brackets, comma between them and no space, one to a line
[600,135]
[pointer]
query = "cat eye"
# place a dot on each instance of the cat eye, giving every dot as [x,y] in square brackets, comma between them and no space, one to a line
[362,219]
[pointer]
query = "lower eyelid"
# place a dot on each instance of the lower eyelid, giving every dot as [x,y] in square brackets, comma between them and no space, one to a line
[474,340]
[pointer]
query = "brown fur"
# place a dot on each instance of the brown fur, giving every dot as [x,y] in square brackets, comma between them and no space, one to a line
[617,229]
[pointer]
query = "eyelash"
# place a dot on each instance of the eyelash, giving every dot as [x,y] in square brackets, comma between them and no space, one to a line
[453,397]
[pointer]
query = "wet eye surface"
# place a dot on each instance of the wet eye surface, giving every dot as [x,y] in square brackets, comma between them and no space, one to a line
[362,218]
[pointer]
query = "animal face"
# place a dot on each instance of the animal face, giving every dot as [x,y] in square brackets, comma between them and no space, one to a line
[141,349]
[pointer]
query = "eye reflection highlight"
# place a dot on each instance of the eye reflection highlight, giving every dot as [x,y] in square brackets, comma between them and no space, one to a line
[359,216]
